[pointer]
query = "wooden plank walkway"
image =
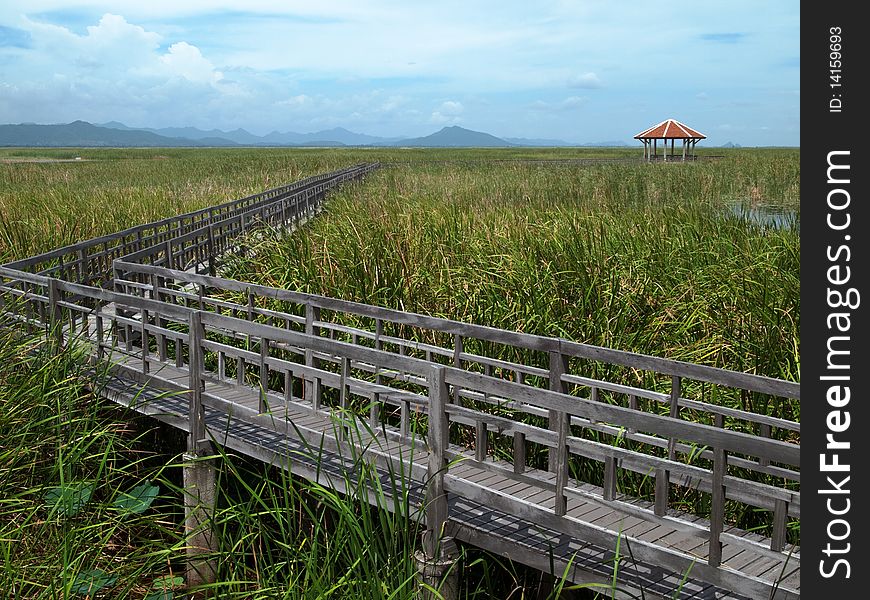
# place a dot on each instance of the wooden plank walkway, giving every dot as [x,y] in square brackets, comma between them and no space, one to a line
[247,432]
[315,385]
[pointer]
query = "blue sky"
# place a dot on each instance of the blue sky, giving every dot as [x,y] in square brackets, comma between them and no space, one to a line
[581,71]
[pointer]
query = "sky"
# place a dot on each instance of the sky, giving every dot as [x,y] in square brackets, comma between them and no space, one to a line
[583,71]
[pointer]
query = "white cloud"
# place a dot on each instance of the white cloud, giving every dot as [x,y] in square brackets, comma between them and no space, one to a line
[187,61]
[448,112]
[589,81]
[701,96]
[451,108]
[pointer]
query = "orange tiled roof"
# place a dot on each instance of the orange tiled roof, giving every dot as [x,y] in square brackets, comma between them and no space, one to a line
[668,129]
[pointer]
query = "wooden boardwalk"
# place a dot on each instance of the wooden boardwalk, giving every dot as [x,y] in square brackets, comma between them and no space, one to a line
[514,443]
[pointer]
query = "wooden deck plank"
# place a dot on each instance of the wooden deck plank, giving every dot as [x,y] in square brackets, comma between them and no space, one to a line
[523,533]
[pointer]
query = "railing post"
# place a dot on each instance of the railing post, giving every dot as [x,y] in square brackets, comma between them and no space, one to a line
[436,564]
[717,504]
[560,501]
[200,481]
[81,264]
[156,284]
[144,334]
[436,500]
[55,311]
[662,491]
[457,362]
[764,431]
[676,389]
[717,507]
[196,415]
[312,314]
[210,248]
[609,491]
[168,252]
[264,375]
[558,420]
[780,520]
[519,452]
[480,441]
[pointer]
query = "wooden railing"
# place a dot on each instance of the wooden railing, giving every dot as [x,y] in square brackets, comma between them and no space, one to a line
[499,400]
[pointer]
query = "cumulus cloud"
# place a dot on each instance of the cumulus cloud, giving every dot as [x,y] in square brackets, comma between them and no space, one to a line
[589,81]
[187,61]
[447,112]
[113,70]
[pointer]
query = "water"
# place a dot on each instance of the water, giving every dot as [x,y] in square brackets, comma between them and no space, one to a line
[775,217]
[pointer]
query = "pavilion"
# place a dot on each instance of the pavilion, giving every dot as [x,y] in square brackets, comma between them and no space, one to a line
[672,130]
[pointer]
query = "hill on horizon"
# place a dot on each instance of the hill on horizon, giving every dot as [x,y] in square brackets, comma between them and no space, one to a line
[116,134]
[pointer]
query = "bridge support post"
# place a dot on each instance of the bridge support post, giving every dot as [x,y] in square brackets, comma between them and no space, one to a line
[200,487]
[438,576]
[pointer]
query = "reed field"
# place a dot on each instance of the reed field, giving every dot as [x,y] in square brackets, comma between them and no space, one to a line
[698,262]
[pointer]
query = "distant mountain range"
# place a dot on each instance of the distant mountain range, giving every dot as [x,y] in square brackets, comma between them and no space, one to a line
[115,134]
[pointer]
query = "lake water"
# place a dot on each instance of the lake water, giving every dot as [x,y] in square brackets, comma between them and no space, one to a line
[769,216]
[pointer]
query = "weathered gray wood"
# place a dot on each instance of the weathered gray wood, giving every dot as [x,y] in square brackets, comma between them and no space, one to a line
[189,238]
[54,311]
[717,507]
[663,557]
[196,418]
[676,389]
[436,497]
[519,457]
[264,373]
[694,432]
[557,419]
[780,521]
[609,478]
[143,332]
[662,491]
[480,441]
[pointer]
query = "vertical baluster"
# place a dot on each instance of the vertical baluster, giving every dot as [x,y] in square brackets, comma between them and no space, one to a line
[676,386]
[764,431]
[144,334]
[717,503]
[519,452]
[609,491]
[662,491]
[480,441]
[379,333]
[374,412]
[240,370]
[264,375]
[457,362]
[780,522]
[558,421]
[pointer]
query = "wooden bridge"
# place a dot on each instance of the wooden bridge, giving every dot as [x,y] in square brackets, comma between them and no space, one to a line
[510,442]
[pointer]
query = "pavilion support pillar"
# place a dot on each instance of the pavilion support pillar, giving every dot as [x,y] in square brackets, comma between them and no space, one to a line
[654,143]
[200,490]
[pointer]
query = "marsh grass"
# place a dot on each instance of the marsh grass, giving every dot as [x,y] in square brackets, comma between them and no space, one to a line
[636,257]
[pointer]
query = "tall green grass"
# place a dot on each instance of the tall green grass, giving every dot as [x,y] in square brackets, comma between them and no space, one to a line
[638,257]
[646,258]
